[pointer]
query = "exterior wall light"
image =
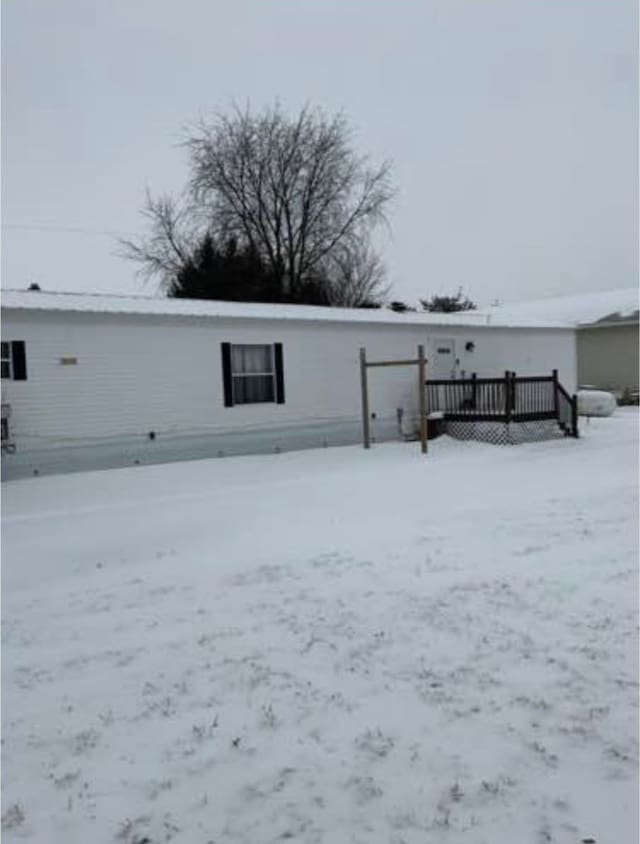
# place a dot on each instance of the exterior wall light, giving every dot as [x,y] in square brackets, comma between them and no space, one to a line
[469,346]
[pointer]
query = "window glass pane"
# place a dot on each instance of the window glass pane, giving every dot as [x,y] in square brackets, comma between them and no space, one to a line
[251,359]
[6,371]
[237,358]
[5,350]
[249,389]
[259,359]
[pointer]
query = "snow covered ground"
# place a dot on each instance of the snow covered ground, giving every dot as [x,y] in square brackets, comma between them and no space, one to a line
[327,646]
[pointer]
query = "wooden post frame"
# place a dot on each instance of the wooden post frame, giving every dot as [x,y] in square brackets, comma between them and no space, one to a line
[366,431]
[421,363]
[507,396]
[556,400]
[422,401]
[574,416]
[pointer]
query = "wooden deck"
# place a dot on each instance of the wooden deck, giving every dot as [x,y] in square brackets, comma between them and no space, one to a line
[507,399]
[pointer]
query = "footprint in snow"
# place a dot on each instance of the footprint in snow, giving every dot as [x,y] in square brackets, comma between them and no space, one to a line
[364,789]
[374,743]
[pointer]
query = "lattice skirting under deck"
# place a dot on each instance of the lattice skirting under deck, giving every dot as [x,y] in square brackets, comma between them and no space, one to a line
[500,433]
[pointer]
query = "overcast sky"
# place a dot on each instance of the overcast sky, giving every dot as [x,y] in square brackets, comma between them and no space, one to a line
[512,124]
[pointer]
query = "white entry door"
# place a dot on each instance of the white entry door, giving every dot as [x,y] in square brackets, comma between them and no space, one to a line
[443,359]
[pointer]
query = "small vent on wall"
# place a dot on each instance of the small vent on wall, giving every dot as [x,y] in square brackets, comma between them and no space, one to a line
[68,361]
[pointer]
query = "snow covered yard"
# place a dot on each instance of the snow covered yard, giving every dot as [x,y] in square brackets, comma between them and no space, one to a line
[327,646]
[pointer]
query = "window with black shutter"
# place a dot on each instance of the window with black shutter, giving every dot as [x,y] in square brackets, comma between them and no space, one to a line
[252,373]
[5,359]
[13,360]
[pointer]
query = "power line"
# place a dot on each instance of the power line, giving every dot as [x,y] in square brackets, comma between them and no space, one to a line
[67,229]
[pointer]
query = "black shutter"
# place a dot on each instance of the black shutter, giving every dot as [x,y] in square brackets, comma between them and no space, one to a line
[277,348]
[226,374]
[19,360]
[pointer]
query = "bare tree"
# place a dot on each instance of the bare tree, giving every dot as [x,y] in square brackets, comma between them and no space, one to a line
[172,241]
[357,275]
[291,190]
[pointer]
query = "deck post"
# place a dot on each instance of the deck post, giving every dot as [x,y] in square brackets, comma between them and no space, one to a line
[556,399]
[507,396]
[422,396]
[366,433]
[574,416]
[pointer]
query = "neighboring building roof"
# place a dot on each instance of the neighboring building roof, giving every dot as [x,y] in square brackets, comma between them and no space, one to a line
[579,309]
[613,320]
[163,306]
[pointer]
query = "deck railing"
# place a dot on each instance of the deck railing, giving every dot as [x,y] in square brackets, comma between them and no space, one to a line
[507,399]
[567,411]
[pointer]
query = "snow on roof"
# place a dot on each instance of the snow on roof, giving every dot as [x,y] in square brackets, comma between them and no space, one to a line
[579,309]
[163,306]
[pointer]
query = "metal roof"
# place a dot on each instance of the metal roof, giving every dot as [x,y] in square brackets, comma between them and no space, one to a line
[40,300]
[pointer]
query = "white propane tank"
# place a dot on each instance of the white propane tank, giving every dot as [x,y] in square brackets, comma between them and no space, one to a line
[596,403]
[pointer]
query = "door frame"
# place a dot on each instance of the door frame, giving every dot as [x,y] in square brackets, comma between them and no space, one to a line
[452,371]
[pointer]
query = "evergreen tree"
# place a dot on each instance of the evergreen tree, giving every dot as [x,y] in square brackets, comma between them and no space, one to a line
[448,304]
[234,274]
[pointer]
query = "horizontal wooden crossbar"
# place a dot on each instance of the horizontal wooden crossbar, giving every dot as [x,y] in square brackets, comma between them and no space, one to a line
[392,363]
[479,416]
[462,382]
[534,416]
[479,382]
[533,379]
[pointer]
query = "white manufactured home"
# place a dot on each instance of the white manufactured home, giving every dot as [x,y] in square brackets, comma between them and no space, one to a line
[91,381]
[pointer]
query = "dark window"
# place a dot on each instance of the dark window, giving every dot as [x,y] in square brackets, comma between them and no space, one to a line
[5,359]
[13,360]
[252,373]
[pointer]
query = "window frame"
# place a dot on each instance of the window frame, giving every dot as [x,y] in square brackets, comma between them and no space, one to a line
[6,359]
[231,377]
[271,374]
